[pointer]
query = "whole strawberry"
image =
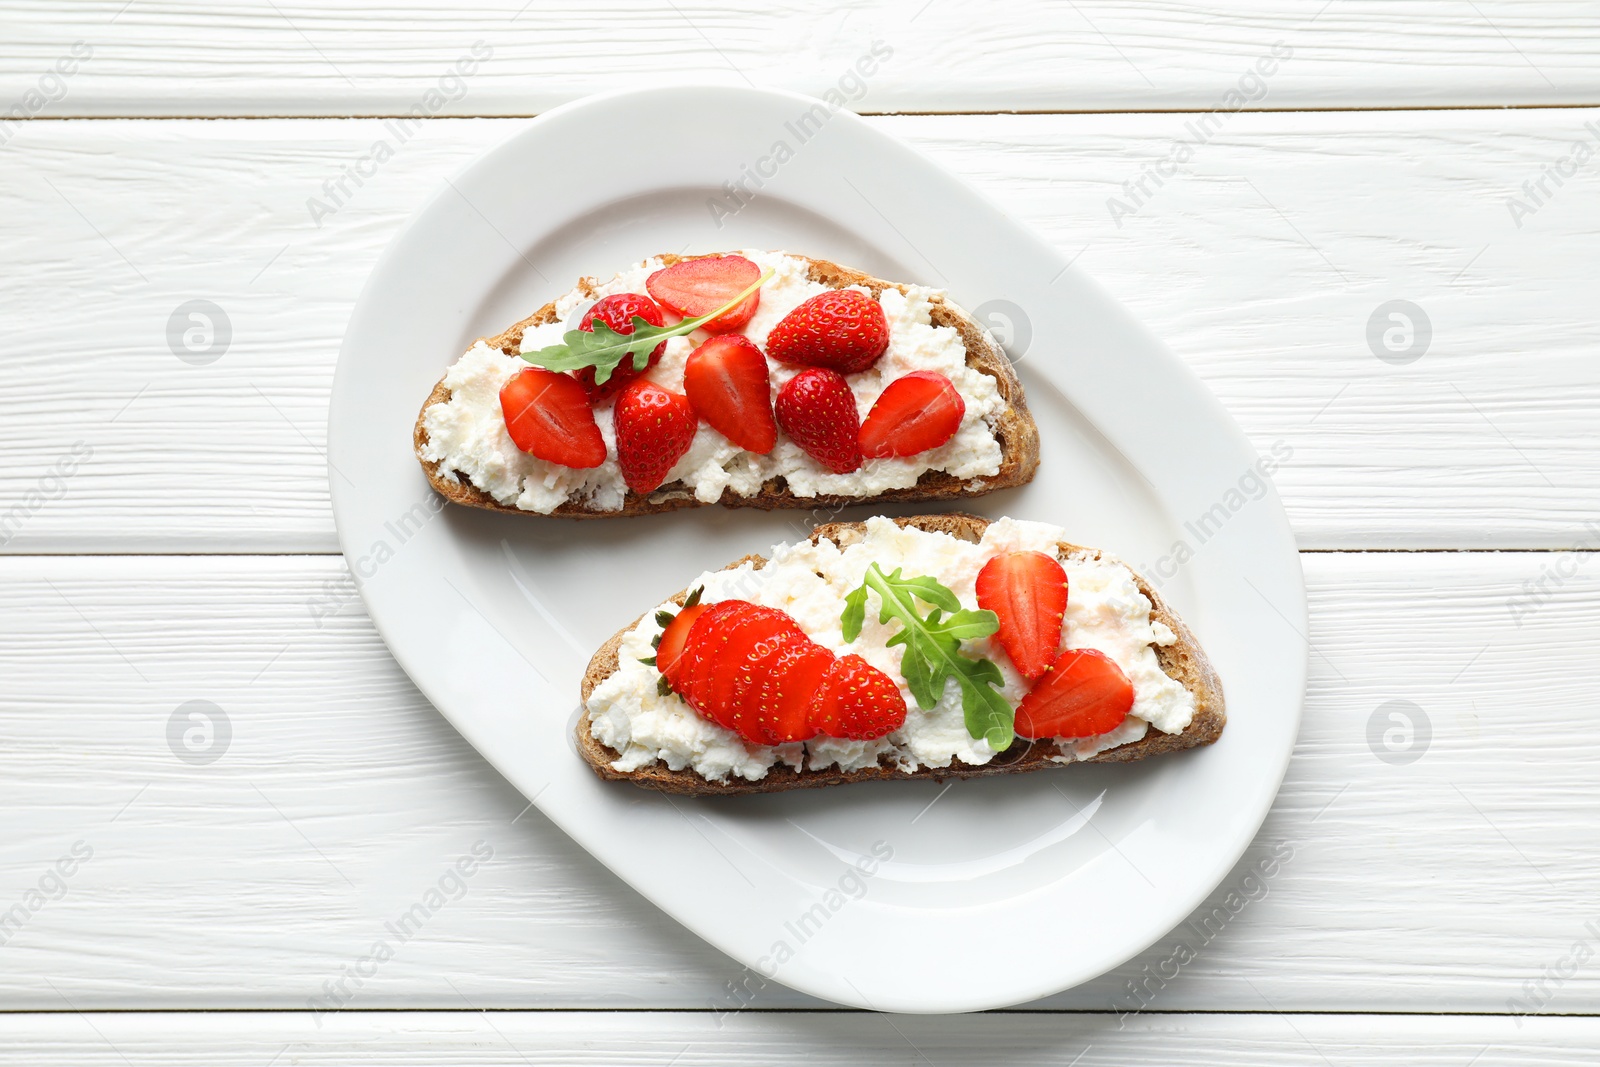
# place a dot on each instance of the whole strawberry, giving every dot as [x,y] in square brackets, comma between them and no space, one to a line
[655,427]
[618,312]
[817,409]
[842,329]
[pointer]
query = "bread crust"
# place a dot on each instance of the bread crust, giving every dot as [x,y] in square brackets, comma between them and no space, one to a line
[1015,428]
[1183,660]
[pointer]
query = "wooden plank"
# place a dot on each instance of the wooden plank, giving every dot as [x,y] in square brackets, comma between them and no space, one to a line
[1266,259]
[1262,266]
[1441,884]
[472,1039]
[365,57]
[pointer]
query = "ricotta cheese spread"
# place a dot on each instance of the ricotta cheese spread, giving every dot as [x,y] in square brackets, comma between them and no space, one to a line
[1105,611]
[467,434]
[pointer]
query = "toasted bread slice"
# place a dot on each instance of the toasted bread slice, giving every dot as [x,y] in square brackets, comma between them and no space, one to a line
[1183,661]
[1015,429]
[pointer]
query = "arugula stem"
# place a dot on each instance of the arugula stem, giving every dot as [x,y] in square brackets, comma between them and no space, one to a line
[877,580]
[604,356]
[975,693]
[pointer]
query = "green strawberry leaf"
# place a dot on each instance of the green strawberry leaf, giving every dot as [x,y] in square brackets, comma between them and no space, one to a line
[604,348]
[932,644]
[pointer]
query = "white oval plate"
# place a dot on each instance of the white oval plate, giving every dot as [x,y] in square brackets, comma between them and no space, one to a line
[994,892]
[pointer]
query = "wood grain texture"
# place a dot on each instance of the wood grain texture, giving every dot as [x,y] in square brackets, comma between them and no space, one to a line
[1443,884]
[1465,881]
[1260,264]
[260,57]
[511,1039]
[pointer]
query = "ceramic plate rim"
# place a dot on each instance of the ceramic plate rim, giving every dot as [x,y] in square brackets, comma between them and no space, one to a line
[1263,531]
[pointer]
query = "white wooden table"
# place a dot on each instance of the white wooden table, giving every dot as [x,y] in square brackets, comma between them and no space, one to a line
[167,536]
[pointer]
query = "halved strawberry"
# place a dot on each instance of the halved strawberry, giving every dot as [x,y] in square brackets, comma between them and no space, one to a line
[1084,693]
[1028,591]
[914,413]
[726,380]
[842,329]
[548,415]
[673,637]
[858,701]
[783,695]
[818,410]
[618,311]
[655,427]
[695,287]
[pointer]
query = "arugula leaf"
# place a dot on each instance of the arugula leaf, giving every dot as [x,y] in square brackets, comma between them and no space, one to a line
[932,645]
[604,348]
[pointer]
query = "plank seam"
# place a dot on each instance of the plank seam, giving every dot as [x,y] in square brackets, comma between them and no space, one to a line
[863,114]
[1556,550]
[1339,1012]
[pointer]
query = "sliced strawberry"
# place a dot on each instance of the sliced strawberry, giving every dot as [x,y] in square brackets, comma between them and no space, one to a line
[695,287]
[1084,693]
[548,415]
[755,671]
[762,631]
[673,637]
[817,409]
[703,654]
[752,636]
[751,669]
[783,695]
[842,329]
[1028,591]
[914,413]
[655,427]
[715,653]
[618,311]
[705,640]
[726,380]
[858,701]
